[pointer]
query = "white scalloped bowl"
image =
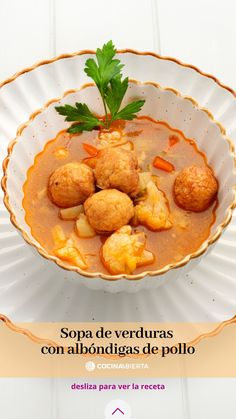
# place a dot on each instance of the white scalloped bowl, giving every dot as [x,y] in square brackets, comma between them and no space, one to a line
[163,104]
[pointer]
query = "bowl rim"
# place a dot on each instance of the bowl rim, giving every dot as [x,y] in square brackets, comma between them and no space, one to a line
[119,51]
[200,251]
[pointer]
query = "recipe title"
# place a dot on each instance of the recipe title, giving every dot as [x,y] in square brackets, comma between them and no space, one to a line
[121,343]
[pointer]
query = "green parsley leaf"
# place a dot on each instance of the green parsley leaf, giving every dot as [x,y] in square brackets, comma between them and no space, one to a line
[106,54]
[81,113]
[115,94]
[82,126]
[105,70]
[129,111]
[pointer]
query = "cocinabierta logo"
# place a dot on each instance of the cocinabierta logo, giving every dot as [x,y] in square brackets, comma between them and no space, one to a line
[91,366]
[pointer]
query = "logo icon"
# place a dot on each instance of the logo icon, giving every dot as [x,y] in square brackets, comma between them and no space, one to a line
[90,366]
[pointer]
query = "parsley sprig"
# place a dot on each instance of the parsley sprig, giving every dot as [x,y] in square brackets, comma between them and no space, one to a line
[105,71]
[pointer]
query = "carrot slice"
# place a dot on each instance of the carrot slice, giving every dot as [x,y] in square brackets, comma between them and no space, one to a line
[173,139]
[162,164]
[90,161]
[90,149]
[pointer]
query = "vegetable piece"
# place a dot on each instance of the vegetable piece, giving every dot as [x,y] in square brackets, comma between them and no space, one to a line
[105,71]
[83,228]
[81,113]
[153,211]
[90,149]
[105,68]
[71,254]
[61,153]
[162,164]
[90,161]
[115,93]
[66,249]
[110,137]
[129,112]
[144,179]
[124,251]
[146,258]
[71,213]
[114,96]
[173,139]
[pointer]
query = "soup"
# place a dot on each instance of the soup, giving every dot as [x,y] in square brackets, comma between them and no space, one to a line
[162,154]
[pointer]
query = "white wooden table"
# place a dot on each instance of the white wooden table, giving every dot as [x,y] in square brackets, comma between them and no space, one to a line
[202,33]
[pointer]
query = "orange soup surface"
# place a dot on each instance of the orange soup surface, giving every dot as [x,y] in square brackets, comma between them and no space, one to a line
[150,139]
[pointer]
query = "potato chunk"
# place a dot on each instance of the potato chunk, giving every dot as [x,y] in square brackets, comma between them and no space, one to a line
[123,251]
[71,213]
[146,258]
[153,211]
[83,228]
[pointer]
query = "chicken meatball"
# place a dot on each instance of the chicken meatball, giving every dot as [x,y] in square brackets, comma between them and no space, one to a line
[117,168]
[195,188]
[71,184]
[108,210]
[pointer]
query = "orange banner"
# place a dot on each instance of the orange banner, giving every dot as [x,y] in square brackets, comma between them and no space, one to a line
[117,349]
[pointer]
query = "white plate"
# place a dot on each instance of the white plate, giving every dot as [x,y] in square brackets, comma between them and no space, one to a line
[34,290]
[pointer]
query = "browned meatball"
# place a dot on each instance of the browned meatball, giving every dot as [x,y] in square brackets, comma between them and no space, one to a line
[108,210]
[71,184]
[116,168]
[195,188]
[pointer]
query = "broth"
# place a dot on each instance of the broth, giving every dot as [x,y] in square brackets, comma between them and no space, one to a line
[150,138]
